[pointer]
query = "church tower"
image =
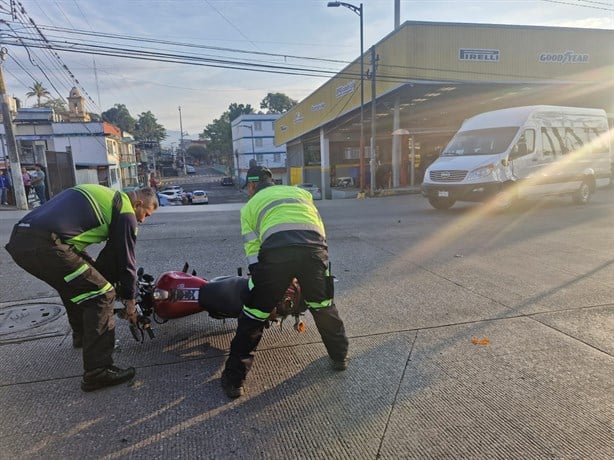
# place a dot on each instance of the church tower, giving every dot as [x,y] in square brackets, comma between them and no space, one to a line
[76,107]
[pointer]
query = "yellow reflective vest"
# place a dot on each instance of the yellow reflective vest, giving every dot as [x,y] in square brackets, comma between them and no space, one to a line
[274,209]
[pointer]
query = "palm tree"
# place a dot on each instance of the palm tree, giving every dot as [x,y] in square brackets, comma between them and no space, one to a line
[39,91]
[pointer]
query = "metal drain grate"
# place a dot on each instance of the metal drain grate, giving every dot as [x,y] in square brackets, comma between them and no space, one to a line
[20,318]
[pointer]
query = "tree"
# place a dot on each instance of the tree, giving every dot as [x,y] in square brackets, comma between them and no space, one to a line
[277,103]
[148,129]
[120,117]
[39,91]
[236,110]
[219,133]
[197,152]
[58,105]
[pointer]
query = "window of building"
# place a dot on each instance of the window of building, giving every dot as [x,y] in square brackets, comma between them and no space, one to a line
[258,142]
[257,126]
[312,155]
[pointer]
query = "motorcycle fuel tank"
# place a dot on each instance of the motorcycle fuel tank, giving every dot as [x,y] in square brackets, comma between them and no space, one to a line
[180,295]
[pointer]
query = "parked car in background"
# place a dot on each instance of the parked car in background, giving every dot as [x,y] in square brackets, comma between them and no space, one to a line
[173,193]
[228,180]
[189,169]
[177,188]
[313,189]
[200,197]
[163,200]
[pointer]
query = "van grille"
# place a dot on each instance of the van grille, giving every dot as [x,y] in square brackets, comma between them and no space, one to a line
[447,175]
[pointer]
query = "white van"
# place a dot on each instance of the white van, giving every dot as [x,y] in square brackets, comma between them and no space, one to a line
[522,152]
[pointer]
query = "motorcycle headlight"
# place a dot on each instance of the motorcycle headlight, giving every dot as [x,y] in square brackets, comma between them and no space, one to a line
[160,294]
[481,172]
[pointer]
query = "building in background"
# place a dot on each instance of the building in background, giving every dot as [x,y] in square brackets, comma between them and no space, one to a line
[72,149]
[253,138]
[421,81]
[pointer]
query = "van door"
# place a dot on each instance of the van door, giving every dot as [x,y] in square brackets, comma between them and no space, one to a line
[525,161]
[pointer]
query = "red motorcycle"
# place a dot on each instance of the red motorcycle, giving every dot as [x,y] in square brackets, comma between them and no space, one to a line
[176,294]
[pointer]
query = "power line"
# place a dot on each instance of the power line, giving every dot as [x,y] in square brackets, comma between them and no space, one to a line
[581,5]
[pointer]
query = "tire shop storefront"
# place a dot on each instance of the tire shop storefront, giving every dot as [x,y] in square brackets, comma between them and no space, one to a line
[429,77]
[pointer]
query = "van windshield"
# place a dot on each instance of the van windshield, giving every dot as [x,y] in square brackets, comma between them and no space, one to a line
[481,141]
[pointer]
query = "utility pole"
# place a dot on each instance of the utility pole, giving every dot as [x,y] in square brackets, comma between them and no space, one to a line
[185,169]
[373,71]
[18,189]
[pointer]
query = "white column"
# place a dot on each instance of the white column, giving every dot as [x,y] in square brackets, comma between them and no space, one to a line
[325,165]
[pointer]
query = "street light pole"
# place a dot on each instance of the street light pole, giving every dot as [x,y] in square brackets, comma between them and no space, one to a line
[359,11]
[185,170]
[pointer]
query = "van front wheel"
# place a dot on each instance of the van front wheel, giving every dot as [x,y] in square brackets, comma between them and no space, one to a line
[583,194]
[441,203]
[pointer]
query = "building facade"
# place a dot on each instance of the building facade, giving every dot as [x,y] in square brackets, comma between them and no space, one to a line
[253,139]
[72,152]
[422,80]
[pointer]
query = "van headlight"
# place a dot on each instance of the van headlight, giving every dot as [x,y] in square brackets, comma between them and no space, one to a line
[481,173]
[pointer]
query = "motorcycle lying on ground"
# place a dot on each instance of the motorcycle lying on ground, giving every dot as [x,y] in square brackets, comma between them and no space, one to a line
[176,294]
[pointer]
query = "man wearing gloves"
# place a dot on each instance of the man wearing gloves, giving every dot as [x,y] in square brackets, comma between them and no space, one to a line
[284,238]
[49,243]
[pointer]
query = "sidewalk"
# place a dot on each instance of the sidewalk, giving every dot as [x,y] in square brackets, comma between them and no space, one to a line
[531,392]
[458,356]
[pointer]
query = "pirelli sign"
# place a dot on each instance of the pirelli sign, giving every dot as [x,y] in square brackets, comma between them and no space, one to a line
[480,55]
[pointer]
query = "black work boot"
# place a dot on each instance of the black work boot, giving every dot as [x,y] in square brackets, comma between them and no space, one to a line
[340,365]
[231,390]
[106,377]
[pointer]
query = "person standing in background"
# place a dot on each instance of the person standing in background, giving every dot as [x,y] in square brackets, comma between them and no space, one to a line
[153,182]
[27,181]
[38,182]
[5,185]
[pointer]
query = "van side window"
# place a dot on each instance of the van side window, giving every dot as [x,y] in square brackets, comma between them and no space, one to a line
[572,139]
[547,143]
[559,145]
[525,144]
[598,139]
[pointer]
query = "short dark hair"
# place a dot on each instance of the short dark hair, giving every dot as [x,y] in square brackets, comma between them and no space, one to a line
[148,195]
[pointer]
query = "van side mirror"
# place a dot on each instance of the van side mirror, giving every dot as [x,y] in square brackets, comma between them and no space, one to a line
[505,162]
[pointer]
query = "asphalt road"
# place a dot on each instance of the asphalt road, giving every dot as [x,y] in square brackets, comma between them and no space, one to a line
[208,179]
[473,335]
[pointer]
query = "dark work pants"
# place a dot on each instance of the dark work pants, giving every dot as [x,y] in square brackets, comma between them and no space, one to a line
[46,257]
[271,276]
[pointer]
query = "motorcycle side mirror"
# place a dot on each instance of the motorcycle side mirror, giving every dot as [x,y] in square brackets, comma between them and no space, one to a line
[140,272]
[148,278]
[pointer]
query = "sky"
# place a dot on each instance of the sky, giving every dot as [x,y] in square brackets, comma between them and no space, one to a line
[303,38]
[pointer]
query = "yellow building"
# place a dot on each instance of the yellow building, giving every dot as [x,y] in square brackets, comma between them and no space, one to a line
[429,77]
